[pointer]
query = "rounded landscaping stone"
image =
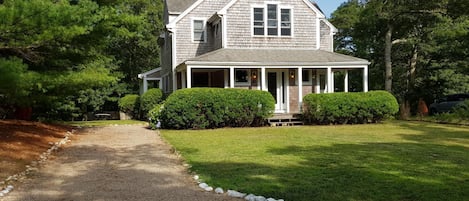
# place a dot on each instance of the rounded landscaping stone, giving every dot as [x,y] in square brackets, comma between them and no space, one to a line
[235,194]
[219,190]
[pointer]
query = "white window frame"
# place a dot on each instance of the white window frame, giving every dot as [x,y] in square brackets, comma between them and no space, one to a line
[248,83]
[204,21]
[279,19]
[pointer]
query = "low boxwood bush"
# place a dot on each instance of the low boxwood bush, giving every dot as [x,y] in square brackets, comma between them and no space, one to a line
[344,108]
[129,104]
[149,100]
[200,108]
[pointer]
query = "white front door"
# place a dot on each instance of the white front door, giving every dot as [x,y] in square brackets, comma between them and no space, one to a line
[277,86]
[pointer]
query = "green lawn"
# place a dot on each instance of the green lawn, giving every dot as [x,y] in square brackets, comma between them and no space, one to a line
[390,161]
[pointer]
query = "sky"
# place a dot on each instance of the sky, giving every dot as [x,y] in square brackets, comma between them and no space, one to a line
[329,6]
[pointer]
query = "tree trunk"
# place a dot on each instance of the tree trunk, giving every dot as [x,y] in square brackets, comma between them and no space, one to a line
[387,59]
[405,109]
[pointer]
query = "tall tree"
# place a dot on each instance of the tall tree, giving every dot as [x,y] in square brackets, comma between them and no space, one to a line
[406,42]
[71,56]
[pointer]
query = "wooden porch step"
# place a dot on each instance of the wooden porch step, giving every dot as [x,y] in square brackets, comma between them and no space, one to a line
[285,120]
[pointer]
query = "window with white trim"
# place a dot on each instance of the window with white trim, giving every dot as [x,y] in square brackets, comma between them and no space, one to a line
[285,23]
[198,27]
[242,77]
[277,21]
[258,23]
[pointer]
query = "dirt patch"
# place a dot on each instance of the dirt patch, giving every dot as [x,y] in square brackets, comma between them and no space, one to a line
[118,163]
[22,142]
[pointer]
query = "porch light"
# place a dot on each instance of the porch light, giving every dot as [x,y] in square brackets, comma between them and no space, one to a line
[254,75]
[292,74]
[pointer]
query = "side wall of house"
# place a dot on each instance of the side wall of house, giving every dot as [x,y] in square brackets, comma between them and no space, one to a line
[239,26]
[186,48]
[217,28]
[327,38]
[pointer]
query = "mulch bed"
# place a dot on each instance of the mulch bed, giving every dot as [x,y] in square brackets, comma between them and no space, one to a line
[22,142]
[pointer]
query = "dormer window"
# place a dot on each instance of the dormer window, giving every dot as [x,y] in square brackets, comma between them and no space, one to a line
[198,27]
[277,19]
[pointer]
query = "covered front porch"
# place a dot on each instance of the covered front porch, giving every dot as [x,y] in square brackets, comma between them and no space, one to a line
[287,84]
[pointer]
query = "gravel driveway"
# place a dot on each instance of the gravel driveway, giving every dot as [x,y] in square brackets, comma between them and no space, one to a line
[113,163]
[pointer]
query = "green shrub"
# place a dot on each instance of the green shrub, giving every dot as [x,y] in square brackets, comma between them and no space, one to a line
[149,100]
[343,108]
[460,114]
[129,104]
[154,115]
[462,110]
[200,108]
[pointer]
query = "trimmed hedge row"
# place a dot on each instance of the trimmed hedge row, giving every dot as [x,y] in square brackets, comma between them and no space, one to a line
[200,108]
[344,108]
[149,100]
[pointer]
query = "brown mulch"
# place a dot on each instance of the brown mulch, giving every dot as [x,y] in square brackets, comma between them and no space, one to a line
[22,142]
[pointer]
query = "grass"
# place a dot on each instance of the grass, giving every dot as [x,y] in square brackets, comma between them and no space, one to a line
[102,123]
[390,161]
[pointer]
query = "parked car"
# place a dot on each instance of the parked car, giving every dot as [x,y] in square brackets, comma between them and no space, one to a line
[447,103]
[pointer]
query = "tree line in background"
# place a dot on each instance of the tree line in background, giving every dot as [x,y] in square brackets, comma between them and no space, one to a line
[418,49]
[65,58]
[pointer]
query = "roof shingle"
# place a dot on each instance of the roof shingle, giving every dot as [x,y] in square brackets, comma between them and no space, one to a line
[179,6]
[279,56]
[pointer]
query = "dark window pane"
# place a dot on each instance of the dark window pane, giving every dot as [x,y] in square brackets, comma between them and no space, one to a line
[272,31]
[286,32]
[241,76]
[306,75]
[259,31]
[272,11]
[285,14]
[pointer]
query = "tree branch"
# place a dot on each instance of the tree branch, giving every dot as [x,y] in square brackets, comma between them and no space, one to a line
[397,41]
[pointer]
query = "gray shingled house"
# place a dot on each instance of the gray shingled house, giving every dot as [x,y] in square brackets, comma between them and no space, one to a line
[281,46]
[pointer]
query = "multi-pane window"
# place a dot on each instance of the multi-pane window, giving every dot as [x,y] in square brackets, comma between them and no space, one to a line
[285,22]
[259,21]
[199,30]
[272,20]
[276,22]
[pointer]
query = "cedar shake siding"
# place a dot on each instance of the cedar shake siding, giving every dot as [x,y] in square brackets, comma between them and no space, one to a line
[186,47]
[326,37]
[239,26]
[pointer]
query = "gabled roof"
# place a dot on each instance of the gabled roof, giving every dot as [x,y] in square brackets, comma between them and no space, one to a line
[178,6]
[183,7]
[148,73]
[276,57]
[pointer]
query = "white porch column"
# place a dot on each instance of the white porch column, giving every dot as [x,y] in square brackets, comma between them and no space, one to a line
[226,78]
[183,79]
[346,81]
[263,79]
[145,84]
[328,81]
[300,88]
[365,79]
[175,80]
[189,77]
[318,82]
[160,84]
[232,77]
[332,81]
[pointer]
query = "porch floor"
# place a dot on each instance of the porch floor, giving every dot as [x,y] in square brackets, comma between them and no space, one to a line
[292,119]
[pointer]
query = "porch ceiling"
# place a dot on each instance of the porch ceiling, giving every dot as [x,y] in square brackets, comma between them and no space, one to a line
[275,57]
